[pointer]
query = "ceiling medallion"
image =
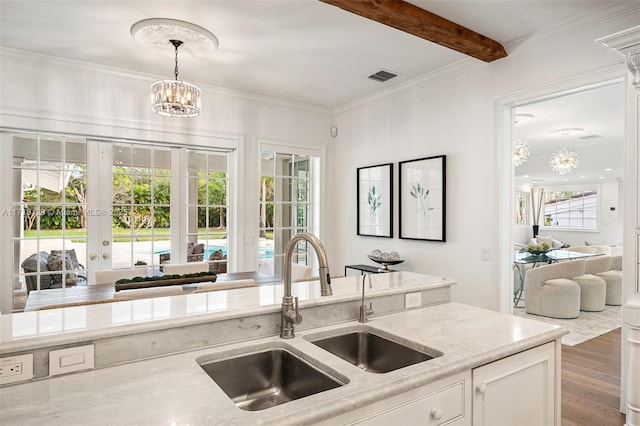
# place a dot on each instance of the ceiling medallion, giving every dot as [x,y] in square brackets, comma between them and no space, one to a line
[520,152]
[175,98]
[157,32]
[564,161]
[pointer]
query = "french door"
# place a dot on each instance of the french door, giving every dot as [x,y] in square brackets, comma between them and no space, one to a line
[101,204]
[129,207]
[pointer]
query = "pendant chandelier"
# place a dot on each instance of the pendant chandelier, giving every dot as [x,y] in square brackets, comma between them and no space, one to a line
[520,152]
[175,98]
[564,161]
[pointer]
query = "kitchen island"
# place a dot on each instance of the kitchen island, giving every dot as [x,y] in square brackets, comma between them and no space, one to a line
[482,351]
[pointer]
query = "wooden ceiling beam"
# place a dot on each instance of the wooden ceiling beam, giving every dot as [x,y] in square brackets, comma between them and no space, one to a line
[411,19]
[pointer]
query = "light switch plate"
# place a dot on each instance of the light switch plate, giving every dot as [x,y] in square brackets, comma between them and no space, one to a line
[413,300]
[69,360]
[16,368]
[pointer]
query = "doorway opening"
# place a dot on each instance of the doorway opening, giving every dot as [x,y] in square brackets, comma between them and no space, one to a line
[567,174]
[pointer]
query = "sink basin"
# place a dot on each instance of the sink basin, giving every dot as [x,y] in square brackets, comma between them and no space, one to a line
[374,353]
[265,379]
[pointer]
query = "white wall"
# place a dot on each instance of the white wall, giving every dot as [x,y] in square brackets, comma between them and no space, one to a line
[45,94]
[451,113]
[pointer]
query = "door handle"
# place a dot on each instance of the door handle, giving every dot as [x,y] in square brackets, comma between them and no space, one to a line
[106,256]
[93,256]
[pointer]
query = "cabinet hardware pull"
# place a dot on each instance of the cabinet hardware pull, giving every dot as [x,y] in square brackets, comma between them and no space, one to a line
[436,413]
[481,388]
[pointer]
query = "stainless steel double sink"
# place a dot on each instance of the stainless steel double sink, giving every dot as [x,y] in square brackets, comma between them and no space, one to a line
[266,378]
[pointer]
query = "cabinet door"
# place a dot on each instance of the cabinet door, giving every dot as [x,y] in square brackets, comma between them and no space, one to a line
[518,390]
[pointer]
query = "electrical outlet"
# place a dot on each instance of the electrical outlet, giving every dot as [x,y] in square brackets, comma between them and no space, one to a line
[16,369]
[413,300]
[13,369]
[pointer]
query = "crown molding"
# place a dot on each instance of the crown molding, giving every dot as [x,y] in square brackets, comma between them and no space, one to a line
[570,27]
[562,30]
[442,73]
[27,119]
[132,77]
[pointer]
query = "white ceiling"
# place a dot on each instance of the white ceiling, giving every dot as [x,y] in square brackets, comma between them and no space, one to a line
[599,111]
[308,51]
[300,50]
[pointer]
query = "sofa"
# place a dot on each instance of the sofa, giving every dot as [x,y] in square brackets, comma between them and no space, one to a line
[550,290]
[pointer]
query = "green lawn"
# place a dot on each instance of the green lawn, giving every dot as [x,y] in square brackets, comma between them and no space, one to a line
[121,235]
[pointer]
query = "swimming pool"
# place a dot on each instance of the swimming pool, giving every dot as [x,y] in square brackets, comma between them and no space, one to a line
[265,251]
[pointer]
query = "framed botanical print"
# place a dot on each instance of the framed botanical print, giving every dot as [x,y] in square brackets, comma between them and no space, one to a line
[422,198]
[374,200]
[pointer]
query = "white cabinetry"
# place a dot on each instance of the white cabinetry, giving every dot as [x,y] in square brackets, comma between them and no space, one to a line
[518,390]
[443,402]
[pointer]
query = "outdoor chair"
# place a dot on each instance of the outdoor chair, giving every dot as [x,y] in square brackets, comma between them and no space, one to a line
[218,262]
[54,262]
[30,265]
[195,253]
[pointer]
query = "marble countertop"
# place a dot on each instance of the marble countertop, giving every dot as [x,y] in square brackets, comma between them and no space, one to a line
[174,390]
[29,330]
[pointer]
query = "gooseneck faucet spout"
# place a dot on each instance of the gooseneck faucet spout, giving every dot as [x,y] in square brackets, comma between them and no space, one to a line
[364,311]
[290,315]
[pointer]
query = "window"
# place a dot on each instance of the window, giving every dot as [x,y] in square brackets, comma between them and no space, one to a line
[288,206]
[141,193]
[573,209]
[49,210]
[207,203]
[522,208]
[79,205]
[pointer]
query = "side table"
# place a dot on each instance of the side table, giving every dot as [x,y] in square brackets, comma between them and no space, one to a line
[364,268]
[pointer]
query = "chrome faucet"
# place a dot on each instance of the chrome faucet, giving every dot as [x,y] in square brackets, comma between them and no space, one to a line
[290,315]
[364,311]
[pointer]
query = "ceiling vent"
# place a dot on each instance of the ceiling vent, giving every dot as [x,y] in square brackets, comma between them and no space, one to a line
[382,76]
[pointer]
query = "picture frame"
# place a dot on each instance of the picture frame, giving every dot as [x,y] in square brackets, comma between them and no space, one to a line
[422,199]
[375,200]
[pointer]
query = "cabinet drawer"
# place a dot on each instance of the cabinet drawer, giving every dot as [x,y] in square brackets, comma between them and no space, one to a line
[437,408]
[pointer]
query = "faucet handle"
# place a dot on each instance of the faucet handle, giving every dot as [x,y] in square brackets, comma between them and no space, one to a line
[294,316]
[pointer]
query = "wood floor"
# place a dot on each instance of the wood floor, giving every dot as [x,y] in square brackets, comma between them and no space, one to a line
[591,382]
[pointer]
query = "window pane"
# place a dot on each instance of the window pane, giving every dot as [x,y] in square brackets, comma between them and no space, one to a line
[142,159]
[122,155]
[571,209]
[162,190]
[522,208]
[122,188]
[283,164]
[162,161]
